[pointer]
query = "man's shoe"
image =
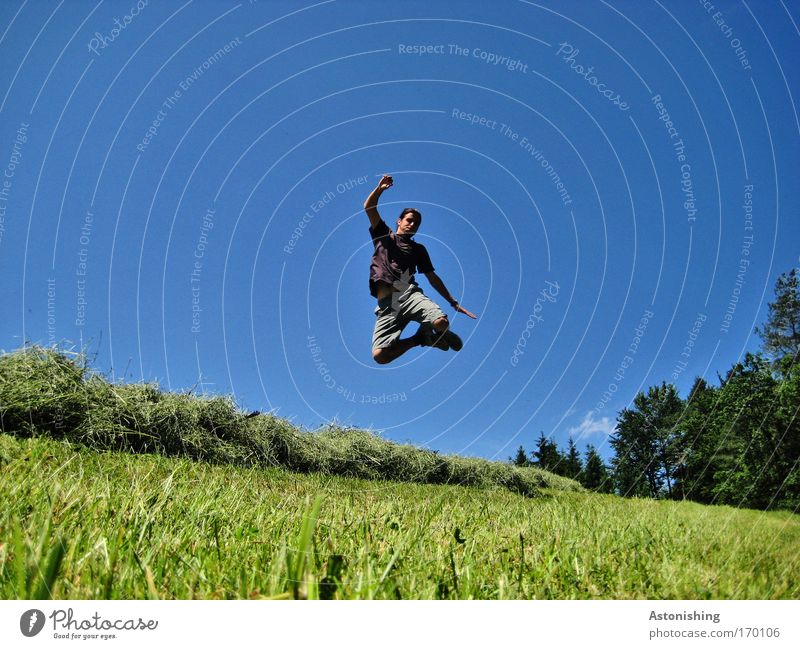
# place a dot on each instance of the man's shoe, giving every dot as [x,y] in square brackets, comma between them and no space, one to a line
[453,340]
[429,337]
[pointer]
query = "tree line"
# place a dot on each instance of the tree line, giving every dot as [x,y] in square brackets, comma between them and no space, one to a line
[736,443]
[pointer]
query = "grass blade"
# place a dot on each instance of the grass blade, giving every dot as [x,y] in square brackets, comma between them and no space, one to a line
[300,564]
[50,573]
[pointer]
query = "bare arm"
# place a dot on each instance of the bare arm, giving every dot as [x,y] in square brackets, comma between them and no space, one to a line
[438,284]
[371,204]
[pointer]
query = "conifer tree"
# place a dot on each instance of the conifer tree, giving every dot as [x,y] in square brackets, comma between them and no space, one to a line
[645,443]
[704,451]
[572,461]
[595,475]
[749,435]
[781,332]
[736,444]
[547,456]
[521,458]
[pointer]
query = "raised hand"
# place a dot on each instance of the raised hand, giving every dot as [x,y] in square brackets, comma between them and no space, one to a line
[385,182]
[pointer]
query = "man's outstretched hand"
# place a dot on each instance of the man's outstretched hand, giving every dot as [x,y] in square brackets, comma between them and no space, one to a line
[461,309]
[385,182]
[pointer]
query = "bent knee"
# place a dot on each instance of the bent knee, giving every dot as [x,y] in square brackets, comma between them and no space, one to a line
[441,323]
[380,356]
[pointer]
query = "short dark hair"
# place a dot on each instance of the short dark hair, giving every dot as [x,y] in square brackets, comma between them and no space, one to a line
[411,210]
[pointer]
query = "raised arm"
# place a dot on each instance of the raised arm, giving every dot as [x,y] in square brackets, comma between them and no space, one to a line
[371,204]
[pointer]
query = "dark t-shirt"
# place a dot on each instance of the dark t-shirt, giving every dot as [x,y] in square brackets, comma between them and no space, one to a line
[396,256]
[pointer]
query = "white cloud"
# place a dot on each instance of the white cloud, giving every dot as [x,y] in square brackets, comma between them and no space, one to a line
[591,426]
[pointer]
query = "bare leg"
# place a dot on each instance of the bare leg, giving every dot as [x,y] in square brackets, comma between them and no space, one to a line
[441,324]
[385,355]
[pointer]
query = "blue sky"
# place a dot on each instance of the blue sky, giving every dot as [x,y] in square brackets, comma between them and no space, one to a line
[610,186]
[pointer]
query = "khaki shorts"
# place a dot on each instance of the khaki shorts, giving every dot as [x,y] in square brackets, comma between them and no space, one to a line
[395,311]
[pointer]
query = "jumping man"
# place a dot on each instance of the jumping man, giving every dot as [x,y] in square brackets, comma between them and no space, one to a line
[391,280]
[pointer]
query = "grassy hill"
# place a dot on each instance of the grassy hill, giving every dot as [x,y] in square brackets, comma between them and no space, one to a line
[44,392]
[114,491]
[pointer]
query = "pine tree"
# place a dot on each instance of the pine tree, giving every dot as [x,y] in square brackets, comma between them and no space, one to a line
[595,475]
[749,436]
[572,461]
[646,444]
[704,449]
[778,434]
[736,444]
[521,458]
[741,442]
[547,456]
[787,406]
[781,332]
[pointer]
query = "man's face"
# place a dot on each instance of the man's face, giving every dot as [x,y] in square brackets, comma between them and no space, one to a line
[408,223]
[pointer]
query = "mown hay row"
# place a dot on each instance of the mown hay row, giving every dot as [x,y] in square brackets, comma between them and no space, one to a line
[49,392]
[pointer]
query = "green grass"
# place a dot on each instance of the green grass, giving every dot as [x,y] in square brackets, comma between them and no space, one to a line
[76,523]
[113,490]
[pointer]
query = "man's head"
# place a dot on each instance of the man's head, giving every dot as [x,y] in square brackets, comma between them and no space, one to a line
[408,221]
